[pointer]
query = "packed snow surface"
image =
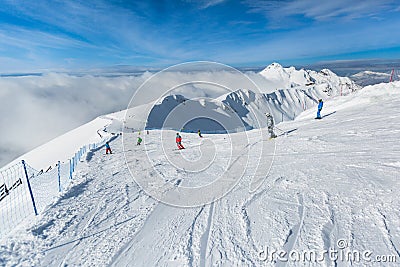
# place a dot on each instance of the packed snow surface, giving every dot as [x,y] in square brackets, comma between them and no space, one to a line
[332,180]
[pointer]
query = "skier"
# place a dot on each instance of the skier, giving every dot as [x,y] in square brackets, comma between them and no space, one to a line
[270,125]
[199,133]
[179,141]
[139,141]
[320,105]
[108,148]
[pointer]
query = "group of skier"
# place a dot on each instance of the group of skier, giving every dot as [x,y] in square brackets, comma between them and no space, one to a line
[108,147]
[139,142]
[178,139]
[270,127]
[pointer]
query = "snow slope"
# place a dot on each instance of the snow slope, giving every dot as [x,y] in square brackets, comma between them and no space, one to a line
[332,179]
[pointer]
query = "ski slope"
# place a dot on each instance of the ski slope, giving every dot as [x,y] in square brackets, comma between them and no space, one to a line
[331,180]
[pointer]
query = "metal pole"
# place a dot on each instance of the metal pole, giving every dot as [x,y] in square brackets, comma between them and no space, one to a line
[391,76]
[70,168]
[59,177]
[29,187]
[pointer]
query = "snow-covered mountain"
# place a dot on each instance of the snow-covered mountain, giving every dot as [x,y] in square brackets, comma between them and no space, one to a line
[233,112]
[286,77]
[324,80]
[287,94]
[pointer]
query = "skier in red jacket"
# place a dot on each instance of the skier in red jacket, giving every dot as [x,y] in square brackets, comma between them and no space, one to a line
[108,148]
[179,141]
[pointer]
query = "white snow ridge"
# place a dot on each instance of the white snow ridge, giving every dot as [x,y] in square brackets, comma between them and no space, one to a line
[320,186]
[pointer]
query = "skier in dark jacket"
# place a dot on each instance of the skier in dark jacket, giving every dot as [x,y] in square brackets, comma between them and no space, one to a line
[108,148]
[178,140]
[199,133]
[320,105]
[270,125]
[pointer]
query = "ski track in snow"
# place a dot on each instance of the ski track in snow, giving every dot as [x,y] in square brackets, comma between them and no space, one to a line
[388,234]
[81,234]
[205,238]
[190,241]
[294,233]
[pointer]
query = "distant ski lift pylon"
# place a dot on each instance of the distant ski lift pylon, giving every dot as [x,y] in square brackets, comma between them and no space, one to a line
[394,75]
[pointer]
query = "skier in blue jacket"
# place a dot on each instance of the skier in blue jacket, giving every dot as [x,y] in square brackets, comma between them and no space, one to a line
[320,105]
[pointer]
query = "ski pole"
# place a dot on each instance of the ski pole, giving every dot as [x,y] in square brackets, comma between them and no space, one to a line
[284,132]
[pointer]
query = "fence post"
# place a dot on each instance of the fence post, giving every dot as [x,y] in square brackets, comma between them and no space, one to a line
[59,177]
[70,168]
[29,187]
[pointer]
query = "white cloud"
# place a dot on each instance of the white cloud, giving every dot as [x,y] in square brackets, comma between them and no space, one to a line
[29,39]
[322,10]
[99,26]
[204,4]
[210,3]
[37,109]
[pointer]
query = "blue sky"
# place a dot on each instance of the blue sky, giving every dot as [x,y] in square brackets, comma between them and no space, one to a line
[69,35]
